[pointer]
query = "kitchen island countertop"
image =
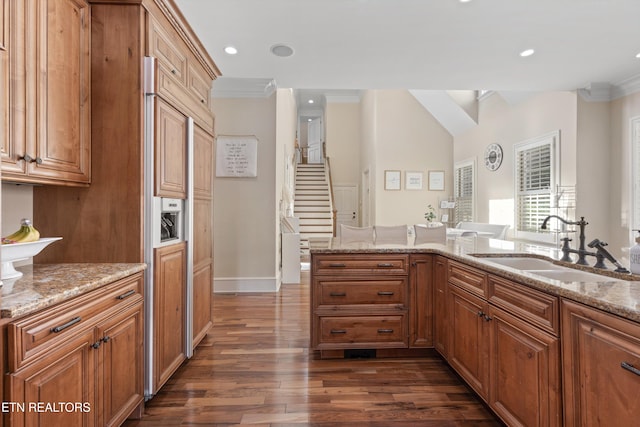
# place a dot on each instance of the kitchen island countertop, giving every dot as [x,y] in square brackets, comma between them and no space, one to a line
[616,293]
[43,285]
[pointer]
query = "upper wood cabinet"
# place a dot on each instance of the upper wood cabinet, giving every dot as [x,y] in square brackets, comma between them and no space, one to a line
[170,151]
[50,77]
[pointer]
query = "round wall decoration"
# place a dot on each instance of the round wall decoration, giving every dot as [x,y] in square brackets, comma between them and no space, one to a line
[493,156]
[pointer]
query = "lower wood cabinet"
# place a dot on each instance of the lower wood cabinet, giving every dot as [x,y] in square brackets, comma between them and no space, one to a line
[421,300]
[440,312]
[169,311]
[511,362]
[601,367]
[86,370]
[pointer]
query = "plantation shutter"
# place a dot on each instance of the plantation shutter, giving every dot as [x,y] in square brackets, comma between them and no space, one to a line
[463,193]
[533,186]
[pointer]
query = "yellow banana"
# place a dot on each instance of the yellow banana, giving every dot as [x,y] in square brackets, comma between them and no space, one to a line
[27,233]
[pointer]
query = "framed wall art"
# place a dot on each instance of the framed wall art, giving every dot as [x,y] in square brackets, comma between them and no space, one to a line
[413,180]
[436,180]
[391,180]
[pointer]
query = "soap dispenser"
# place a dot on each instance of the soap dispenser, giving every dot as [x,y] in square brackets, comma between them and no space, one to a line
[634,256]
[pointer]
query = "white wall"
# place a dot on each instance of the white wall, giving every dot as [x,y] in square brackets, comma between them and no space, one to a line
[17,203]
[245,208]
[408,138]
[619,183]
[343,141]
[505,124]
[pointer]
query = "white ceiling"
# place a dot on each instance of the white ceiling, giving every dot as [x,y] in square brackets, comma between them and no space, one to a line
[422,44]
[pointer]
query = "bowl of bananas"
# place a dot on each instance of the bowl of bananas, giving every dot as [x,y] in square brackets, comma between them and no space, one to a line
[22,244]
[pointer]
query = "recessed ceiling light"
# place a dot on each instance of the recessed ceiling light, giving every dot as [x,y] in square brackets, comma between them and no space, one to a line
[308,120]
[310,101]
[638,55]
[527,52]
[230,50]
[281,50]
[464,1]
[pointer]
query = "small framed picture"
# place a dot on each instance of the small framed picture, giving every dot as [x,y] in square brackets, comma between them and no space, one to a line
[413,180]
[444,204]
[392,180]
[445,218]
[436,180]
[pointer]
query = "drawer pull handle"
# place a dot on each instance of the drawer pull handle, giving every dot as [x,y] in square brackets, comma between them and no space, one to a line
[126,294]
[385,293]
[96,345]
[337,265]
[338,331]
[338,294]
[385,265]
[107,338]
[385,331]
[480,313]
[71,322]
[629,367]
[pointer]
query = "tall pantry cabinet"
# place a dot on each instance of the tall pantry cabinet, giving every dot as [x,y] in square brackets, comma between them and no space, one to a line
[104,222]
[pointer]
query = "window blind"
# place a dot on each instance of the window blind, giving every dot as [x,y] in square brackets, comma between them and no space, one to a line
[463,193]
[534,175]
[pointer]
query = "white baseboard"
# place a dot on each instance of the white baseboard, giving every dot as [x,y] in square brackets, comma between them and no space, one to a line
[223,285]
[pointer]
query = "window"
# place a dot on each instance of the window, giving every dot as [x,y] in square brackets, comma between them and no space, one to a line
[463,190]
[536,163]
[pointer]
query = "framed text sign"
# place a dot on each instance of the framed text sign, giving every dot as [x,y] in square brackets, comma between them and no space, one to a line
[237,156]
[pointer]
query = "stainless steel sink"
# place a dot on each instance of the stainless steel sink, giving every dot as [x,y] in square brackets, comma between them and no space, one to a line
[548,269]
[524,263]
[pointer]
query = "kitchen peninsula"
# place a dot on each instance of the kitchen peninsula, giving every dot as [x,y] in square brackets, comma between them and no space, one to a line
[523,341]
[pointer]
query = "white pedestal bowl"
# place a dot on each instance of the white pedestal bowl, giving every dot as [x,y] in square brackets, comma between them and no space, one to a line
[19,251]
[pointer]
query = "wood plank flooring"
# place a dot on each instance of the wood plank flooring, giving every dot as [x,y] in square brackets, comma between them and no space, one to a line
[255,368]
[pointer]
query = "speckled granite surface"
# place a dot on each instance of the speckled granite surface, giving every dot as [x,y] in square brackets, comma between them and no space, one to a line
[43,285]
[615,293]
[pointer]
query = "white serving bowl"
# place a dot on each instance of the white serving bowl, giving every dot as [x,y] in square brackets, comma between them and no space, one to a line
[19,251]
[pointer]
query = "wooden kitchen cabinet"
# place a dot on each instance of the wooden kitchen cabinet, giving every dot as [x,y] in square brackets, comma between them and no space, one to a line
[50,76]
[421,300]
[468,349]
[503,340]
[170,151]
[440,312]
[359,301]
[203,235]
[601,367]
[169,311]
[86,352]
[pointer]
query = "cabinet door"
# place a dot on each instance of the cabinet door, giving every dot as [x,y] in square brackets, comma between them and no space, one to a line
[421,297]
[524,372]
[169,311]
[121,388]
[468,339]
[65,375]
[171,151]
[601,368]
[50,93]
[440,312]
[203,234]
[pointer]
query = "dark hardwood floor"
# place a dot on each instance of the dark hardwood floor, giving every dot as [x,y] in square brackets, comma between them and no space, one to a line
[255,368]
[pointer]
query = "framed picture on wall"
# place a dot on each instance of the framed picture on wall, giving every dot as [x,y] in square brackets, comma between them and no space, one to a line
[392,180]
[436,180]
[413,180]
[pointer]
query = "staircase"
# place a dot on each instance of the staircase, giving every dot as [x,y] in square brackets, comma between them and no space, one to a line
[312,204]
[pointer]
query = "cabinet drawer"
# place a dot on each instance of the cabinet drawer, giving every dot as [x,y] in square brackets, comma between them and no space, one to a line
[361,264]
[170,56]
[38,333]
[362,332]
[533,306]
[366,291]
[468,278]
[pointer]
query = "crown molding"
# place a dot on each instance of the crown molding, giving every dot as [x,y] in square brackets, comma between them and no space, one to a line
[626,87]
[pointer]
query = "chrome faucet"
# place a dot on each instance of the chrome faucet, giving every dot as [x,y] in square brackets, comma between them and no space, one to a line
[581,251]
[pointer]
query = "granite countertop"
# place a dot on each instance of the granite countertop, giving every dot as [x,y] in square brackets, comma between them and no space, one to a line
[43,285]
[616,293]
